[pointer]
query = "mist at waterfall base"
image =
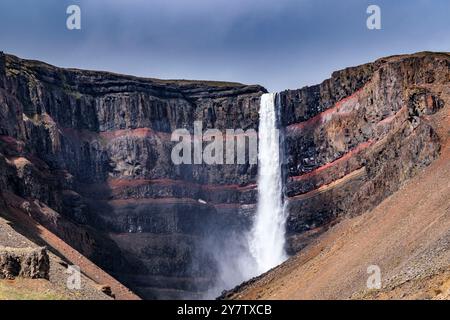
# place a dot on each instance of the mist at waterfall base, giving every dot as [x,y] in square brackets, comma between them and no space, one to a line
[249,253]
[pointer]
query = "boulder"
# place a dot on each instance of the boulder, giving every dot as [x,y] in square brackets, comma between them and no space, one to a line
[31,263]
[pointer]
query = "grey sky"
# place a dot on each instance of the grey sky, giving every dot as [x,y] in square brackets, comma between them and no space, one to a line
[279,43]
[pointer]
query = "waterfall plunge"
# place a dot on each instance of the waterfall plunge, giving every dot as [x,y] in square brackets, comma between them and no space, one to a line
[267,236]
[244,256]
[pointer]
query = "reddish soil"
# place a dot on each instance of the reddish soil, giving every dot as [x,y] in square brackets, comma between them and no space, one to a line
[37,231]
[122,183]
[139,132]
[407,236]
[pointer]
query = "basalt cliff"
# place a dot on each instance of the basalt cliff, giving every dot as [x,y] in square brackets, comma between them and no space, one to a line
[86,156]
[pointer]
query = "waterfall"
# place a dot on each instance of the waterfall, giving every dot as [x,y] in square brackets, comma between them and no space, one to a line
[267,236]
[246,255]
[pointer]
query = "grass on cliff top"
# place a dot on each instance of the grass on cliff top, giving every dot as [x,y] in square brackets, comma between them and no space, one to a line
[15,65]
[20,290]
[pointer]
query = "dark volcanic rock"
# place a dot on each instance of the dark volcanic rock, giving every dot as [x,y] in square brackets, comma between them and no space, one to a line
[2,62]
[96,147]
[360,149]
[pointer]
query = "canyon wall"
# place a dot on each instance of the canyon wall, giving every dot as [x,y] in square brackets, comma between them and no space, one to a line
[95,148]
[354,139]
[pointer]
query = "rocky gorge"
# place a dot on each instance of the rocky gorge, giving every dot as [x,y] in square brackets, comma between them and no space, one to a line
[87,155]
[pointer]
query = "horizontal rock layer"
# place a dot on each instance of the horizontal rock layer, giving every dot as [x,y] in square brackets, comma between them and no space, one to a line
[95,147]
[345,155]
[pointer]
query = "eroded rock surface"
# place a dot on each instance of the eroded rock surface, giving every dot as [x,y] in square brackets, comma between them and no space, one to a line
[356,138]
[31,263]
[95,148]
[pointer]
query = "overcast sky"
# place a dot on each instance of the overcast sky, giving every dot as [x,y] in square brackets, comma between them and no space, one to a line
[279,43]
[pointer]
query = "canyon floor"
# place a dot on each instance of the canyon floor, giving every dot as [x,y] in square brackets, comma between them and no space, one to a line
[407,236]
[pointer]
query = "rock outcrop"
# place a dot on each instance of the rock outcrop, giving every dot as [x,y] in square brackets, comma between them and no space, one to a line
[356,138]
[95,147]
[24,262]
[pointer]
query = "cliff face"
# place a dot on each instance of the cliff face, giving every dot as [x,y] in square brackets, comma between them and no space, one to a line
[95,148]
[367,174]
[356,138]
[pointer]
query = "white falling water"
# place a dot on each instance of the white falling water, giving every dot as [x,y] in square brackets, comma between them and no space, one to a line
[267,236]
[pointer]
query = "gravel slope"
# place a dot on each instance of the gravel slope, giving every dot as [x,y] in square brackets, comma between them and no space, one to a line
[407,236]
